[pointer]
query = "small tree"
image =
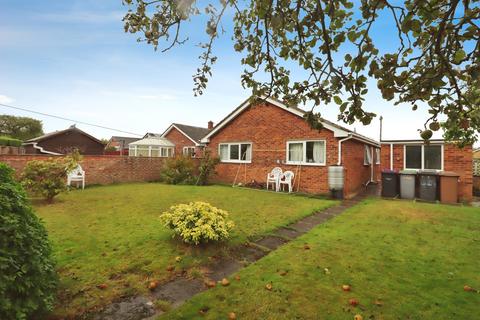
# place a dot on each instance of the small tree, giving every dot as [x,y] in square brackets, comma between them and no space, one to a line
[178,170]
[27,274]
[47,178]
[206,167]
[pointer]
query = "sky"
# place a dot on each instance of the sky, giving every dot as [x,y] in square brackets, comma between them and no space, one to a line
[73,59]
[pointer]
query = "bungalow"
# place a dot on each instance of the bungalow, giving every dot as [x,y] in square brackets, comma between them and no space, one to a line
[64,142]
[119,144]
[255,138]
[187,138]
[437,155]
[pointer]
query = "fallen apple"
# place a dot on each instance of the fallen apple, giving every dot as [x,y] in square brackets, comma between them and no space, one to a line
[210,283]
[269,286]
[102,286]
[346,287]
[178,259]
[467,288]
[225,282]
[232,316]
[152,285]
[237,277]
[358,317]
[353,302]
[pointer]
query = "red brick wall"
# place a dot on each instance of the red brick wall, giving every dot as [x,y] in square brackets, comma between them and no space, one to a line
[269,128]
[455,159]
[103,169]
[180,141]
[356,173]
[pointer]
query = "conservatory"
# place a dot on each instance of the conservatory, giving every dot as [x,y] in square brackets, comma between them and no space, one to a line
[151,147]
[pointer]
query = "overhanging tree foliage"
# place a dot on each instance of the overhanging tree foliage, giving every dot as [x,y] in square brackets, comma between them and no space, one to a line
[435,61]
[22,128]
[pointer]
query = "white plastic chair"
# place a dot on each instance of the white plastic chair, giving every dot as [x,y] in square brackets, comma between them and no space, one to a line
[76,175]
[274,177]
[286,179]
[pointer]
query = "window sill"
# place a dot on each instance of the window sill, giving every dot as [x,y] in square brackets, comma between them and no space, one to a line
[234,161]
[305,164]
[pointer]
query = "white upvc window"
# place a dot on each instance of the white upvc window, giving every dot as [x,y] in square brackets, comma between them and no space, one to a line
[132,151]
[240,152]
[367,155]
[189,151]
[423,157]
[150,151]
[166,152]
[377,155]
[307,152]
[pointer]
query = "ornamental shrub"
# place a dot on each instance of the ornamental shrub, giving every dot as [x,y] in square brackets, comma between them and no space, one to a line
[198,222]
[206,167]
[48,178]
[27,274]
[178,170]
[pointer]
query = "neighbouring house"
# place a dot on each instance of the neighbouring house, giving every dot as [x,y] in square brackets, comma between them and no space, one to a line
[152,146]
[64,142]
[187,138]
[437,155]
[255,138]
[119,144]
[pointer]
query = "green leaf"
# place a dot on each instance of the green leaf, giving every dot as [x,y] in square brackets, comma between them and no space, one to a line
[337,100]
[459,56]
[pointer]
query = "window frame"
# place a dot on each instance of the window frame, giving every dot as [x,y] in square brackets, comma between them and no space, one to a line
[378,154]
[239,144]
[423,157]
[186,148]
[367,155]
[303,162]
[170,152]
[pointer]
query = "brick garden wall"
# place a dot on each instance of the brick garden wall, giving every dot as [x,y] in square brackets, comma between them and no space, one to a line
[455,159]
[102,169]
[269,128]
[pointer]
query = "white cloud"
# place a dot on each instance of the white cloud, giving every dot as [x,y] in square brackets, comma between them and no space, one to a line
[5,99]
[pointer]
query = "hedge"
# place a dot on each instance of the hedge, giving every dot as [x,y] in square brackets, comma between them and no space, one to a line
[7,141]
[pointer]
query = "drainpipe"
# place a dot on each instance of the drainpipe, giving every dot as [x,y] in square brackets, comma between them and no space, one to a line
[391,156]
[340,148]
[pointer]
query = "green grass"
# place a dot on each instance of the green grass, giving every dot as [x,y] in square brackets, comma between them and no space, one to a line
[413,258]
[112,235]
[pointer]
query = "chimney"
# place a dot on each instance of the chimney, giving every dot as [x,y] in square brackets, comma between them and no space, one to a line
[210,125]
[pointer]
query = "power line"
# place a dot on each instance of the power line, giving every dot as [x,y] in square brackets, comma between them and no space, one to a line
[67,119]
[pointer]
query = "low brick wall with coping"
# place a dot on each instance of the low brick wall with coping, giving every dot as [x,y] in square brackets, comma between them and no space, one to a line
[102,169]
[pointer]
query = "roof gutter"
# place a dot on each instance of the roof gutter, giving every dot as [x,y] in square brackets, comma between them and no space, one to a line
[350,136]
[363,139]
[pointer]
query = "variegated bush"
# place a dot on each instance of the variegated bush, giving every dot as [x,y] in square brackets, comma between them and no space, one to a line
[198,222]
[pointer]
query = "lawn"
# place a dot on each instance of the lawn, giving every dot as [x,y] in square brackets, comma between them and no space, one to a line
[112,235]
[403,260]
